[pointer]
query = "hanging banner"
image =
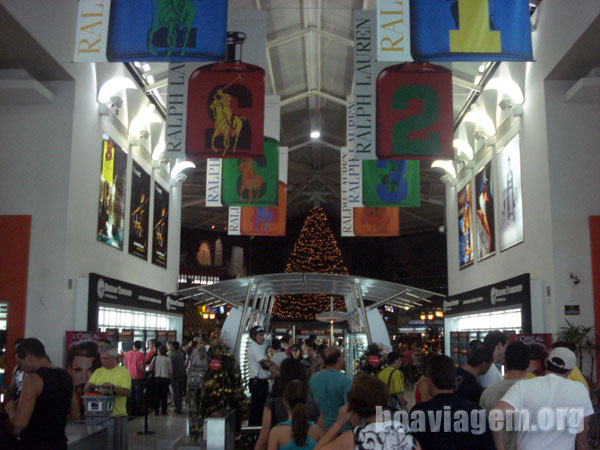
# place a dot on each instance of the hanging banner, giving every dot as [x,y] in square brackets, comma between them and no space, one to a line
[214,175]
[139,211]
[111,207]
[410,103]
[484,211]
[226,117]
[465,231]
[160,228]
[252,181]
[509,181]
[376,222]
[393,30]
[391,183]
[414,112]
[365,34]
[351,125]
[150,30]
[470,30]
[263,220]
[347,217]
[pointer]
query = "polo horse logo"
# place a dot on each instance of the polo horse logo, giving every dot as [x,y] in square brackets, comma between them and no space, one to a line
[227,124]
[251,182]
[177,16]
[264,218]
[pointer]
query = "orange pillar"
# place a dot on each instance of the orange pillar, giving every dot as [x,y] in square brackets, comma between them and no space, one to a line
[14,266]
[595,248]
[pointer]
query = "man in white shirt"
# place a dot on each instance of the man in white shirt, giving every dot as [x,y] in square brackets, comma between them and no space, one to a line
[259,370]
[496,340]
[558,408]
[278,355]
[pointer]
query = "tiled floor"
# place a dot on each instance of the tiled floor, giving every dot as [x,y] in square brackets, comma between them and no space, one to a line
[170,433]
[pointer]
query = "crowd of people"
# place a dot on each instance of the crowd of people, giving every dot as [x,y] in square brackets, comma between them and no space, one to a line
[301,397]
[313,404]
[42,397]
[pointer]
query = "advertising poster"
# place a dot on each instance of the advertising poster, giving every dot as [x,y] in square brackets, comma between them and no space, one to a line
[401,110]
[111,207]
[470,30]
[511,200]
[252,181]
[465,231]
[484,212]
[160,226]
[82,356]
[376,222]
[391,183]
[265,220]
[139,211]
[150,30]
[226,117]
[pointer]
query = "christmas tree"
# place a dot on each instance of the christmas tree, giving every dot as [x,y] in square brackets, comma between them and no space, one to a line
[221,389]
[315,251]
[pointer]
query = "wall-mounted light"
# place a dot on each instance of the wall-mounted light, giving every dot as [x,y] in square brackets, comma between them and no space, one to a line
[464,152]
[423,316]
[430,316]
[447,166]
[439,313]
[482,122]
[205,316]
[177,171]
[108,93]
[510,93]
[212,316]
[140,123]
[315,134]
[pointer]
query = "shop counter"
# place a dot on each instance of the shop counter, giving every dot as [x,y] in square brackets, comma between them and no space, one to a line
[89,437]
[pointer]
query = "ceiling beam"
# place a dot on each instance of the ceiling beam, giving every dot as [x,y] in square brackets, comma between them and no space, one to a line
[308,30]
[313,142]
[309,93]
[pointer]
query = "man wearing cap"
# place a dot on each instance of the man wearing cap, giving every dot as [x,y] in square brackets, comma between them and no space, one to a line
[259,371]
[558,408]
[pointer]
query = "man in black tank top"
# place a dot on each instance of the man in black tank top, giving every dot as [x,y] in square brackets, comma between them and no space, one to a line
[46,399]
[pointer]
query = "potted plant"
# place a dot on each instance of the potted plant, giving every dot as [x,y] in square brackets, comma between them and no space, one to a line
[579,337]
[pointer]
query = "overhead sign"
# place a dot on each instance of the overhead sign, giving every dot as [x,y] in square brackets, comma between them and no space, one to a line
[110,291]
[391,183]
[150,30]
[393,30]
[225,118]
[506,294]
[470,30]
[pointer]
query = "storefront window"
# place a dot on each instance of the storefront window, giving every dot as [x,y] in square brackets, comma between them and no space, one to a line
[140,320]
[496,320]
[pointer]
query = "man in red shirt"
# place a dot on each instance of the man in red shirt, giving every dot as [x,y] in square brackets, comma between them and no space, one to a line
[134,361]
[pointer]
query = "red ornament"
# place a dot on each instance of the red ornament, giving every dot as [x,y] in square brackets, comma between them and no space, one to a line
[226,107]
[215,364]
[374,360]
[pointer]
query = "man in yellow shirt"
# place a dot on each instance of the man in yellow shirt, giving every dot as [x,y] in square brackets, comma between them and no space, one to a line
[393,378]
[113,377]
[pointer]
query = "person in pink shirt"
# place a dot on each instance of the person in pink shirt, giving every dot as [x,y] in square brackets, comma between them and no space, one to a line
[134,361]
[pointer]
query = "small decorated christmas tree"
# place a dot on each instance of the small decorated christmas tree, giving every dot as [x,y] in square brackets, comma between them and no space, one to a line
[221,389]
[371,362]
[315,251]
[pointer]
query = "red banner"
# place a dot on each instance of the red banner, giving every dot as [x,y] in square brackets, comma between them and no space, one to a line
[414,112]
[266,220]
[376,221]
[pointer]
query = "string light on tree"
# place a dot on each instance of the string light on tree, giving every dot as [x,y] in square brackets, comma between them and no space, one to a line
[315,251]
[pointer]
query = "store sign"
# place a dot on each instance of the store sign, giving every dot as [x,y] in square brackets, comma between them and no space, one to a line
[126,295]
[544,339]
[514,292]
[572,310]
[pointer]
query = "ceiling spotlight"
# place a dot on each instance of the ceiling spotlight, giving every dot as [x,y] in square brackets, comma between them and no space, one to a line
[315,134]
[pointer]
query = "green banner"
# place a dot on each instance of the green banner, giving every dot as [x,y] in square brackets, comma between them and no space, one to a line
[252,181]
[391,183]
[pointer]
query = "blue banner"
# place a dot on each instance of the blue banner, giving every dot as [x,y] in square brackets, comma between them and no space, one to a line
[470,30]
[167,30]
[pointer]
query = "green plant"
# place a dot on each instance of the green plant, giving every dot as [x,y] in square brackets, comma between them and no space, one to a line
[578,336]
